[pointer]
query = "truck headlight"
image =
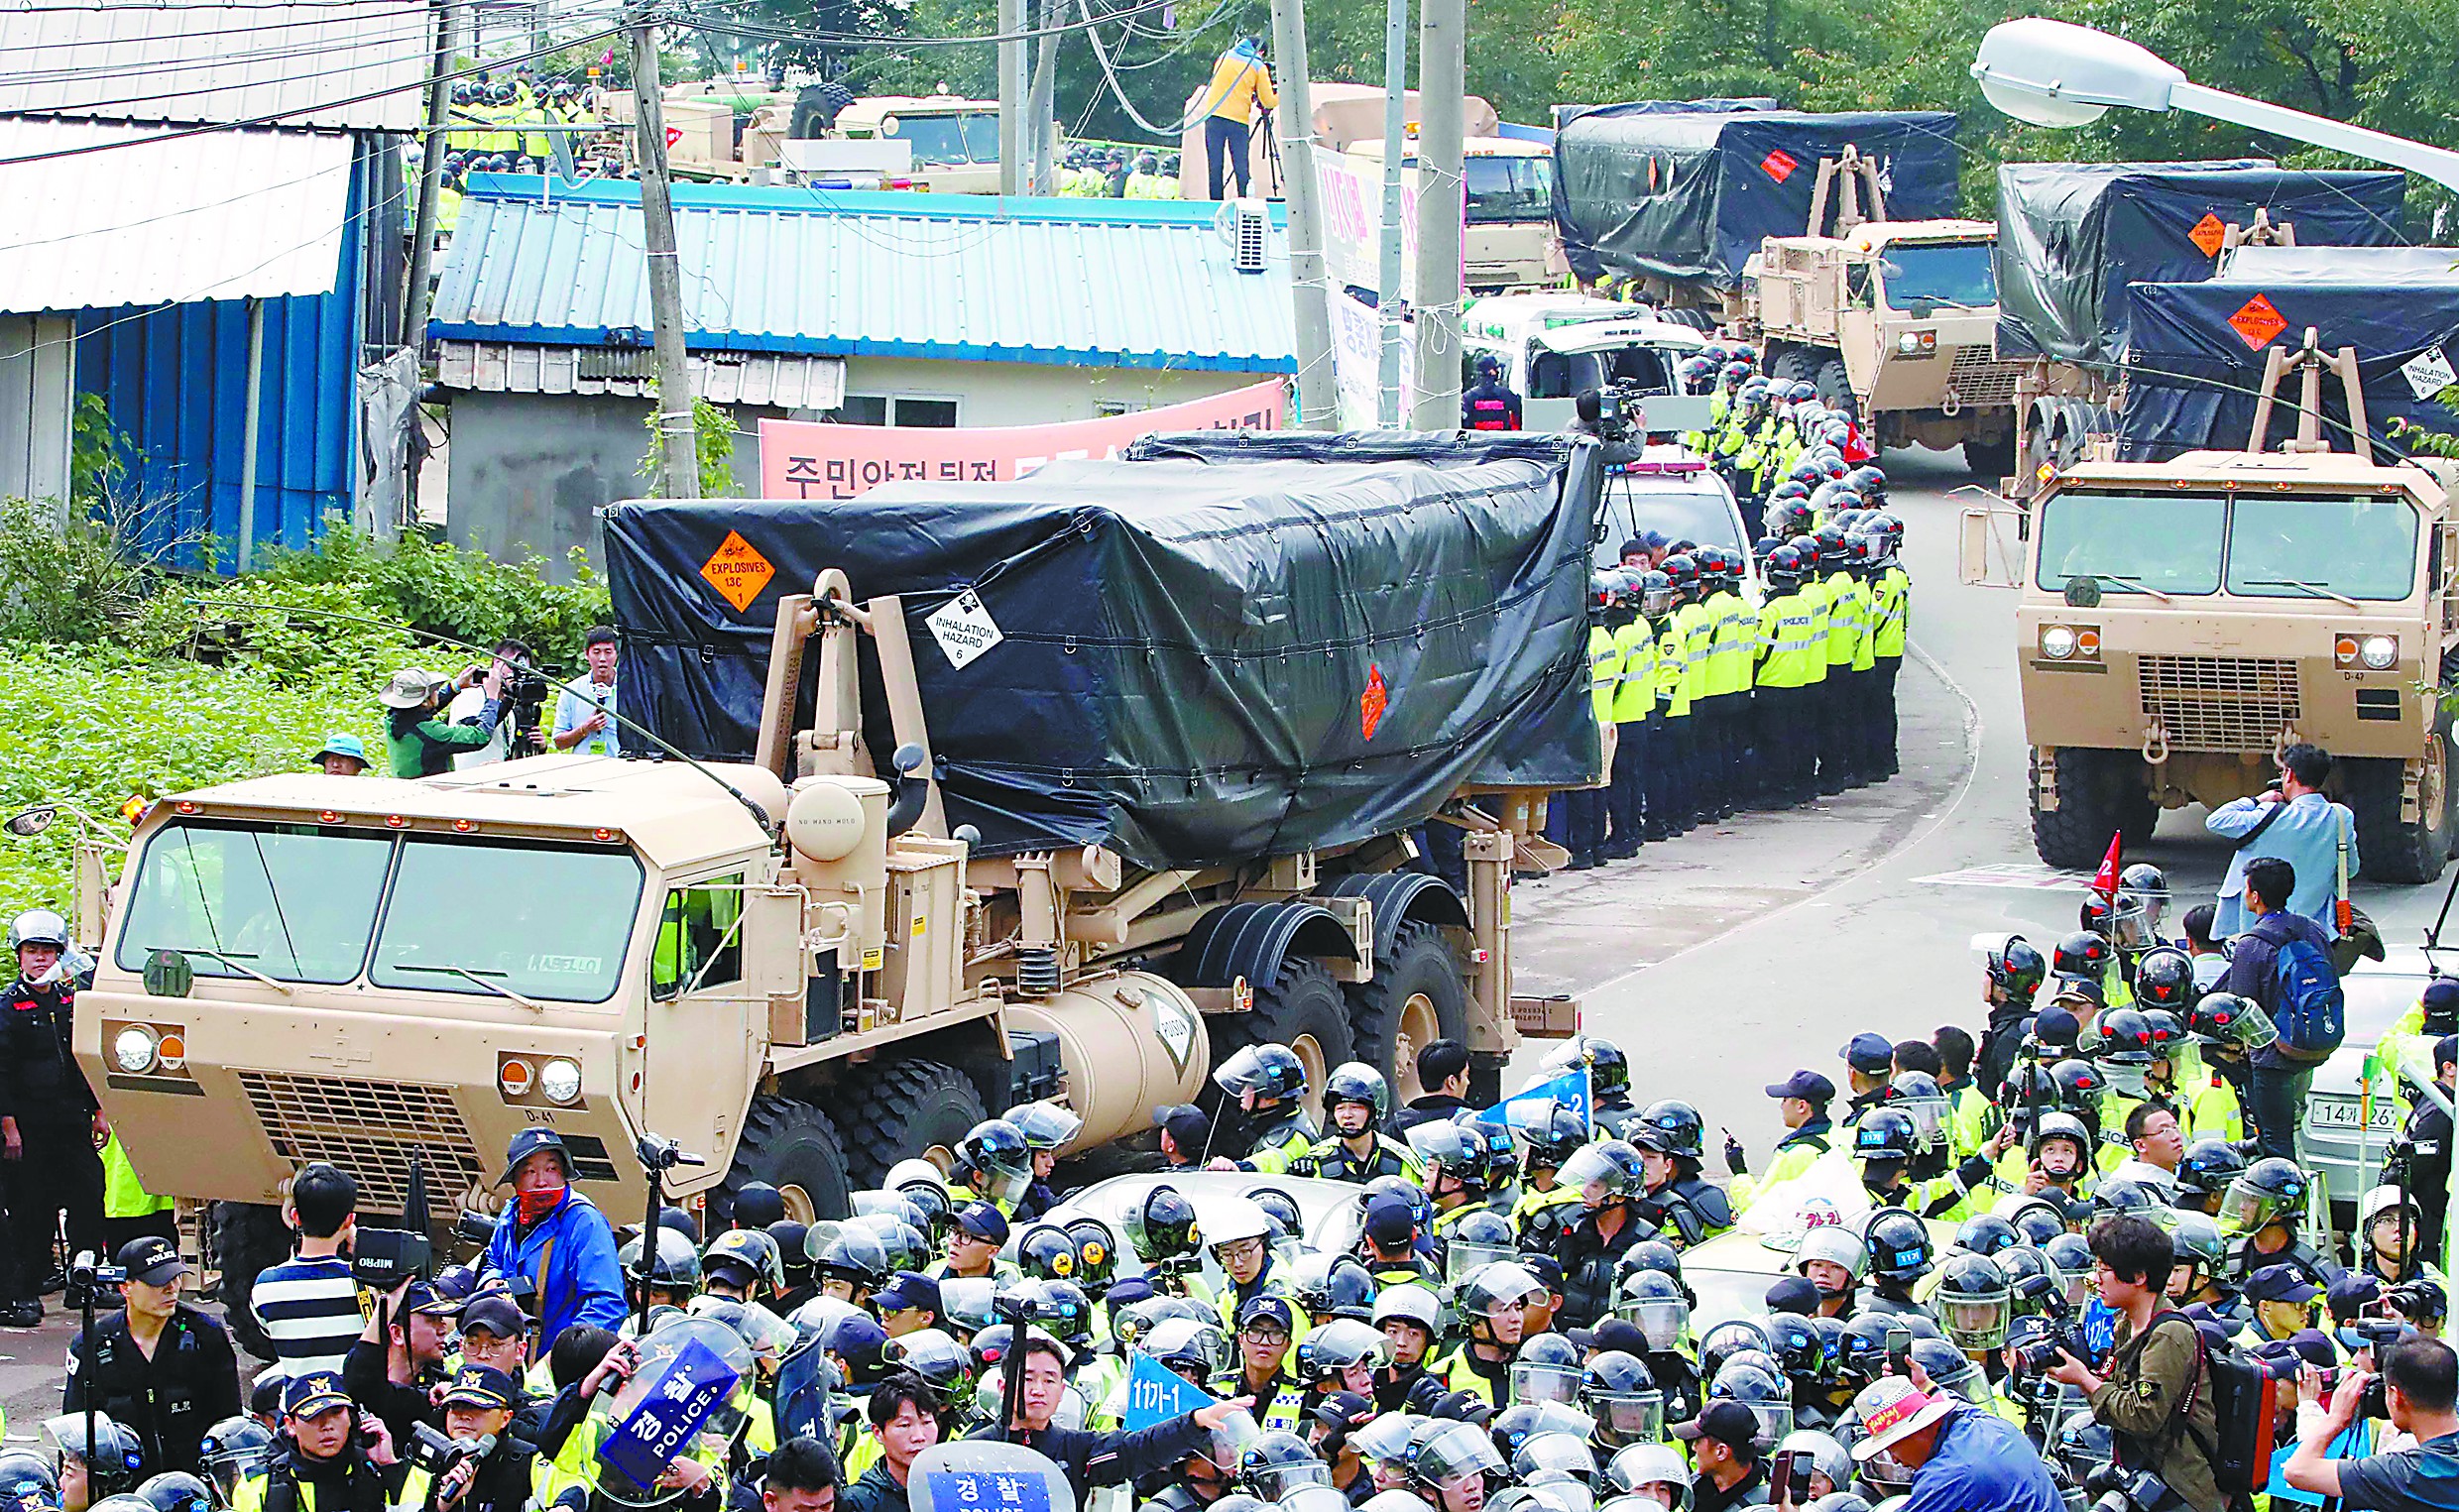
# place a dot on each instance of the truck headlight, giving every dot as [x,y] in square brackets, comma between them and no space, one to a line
[2381,652]
[134,1049]
[1915,343]
[2057,642]
[560,1080]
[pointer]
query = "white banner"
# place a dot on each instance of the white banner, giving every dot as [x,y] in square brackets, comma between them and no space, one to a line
[1358,360]
[1351,191]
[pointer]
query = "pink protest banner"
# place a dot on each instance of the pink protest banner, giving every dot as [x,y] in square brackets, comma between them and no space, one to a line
[805,459]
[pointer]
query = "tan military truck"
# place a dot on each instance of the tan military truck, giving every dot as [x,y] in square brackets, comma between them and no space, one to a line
[801,970]
[2181,622]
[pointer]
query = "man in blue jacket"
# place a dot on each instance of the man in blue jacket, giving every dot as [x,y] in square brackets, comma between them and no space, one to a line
[2295,822]
[1963,1459]
[557,1238]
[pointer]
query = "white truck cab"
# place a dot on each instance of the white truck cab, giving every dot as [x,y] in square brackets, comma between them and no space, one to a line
[1554,346]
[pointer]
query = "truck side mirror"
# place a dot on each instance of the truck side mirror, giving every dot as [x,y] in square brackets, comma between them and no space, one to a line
[1984,555]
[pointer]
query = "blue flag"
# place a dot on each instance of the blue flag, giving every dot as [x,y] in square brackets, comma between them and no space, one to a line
[1156,1394]
[1529,1108]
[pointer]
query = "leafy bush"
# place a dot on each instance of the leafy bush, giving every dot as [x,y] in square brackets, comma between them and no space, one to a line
[65,581]
[439,589]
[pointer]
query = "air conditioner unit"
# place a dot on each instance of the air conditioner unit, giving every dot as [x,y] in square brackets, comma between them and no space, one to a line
[1246,225]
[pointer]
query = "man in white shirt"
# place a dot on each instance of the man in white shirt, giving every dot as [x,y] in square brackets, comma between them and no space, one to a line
[584,715]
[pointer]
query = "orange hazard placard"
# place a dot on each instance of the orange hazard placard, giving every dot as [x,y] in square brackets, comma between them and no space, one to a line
[2258,321]
[1372,703]
[737,571]
[2208,234]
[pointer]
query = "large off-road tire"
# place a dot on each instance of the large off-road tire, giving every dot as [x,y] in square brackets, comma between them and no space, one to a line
[2388,849]
[905,1111]
[1792,366]
[795,1148]
[1417,995]
[1991,459]
[2098,795]
[246,1239]
[1301,1007]
[1697,319]
[1836,389]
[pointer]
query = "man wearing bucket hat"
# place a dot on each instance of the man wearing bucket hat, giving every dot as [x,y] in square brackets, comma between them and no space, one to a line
[343,756]
[421,741]
[1959,1456]
[557,1238]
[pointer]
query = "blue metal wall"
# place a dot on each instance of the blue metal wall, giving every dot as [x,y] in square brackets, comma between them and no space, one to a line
[174,378]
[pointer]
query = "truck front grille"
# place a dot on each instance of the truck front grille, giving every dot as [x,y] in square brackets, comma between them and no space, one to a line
[2219,703]
[1980,379]
[370,1129]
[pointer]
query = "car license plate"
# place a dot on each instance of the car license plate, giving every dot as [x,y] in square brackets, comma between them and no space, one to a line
[2341,1113]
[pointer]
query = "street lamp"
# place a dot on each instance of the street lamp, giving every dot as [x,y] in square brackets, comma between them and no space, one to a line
[2055,73]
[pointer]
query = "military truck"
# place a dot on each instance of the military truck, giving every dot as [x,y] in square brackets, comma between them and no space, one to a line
[2185,617]
[1162,733]
[1830,240]
[2076,237]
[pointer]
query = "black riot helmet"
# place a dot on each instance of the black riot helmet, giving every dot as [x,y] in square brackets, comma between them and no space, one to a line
[1670,1126]
[1899,1245]
[2084,954]
[2165,979]
[2016,969]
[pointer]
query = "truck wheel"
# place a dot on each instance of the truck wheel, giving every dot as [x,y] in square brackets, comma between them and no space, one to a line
[1991,458]
[1417,995]
[1792,366]
[2092,805]
[1301,1007]
[795,1148]
[2388,849]
[246,1239]
[907,1109]
[1835,389]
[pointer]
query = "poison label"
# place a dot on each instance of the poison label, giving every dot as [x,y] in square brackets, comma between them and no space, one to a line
[963,629]
[2257,323]
[2208,234]
[737,571]
[2428,373]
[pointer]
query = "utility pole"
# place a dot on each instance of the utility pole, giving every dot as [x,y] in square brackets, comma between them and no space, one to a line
[1041,126]
[1011,96]
[1389,410]
[1319,396]
[680,448]
[430,185]
[1442,79]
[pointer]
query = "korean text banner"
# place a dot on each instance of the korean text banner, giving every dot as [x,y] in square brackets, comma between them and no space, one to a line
[806,459]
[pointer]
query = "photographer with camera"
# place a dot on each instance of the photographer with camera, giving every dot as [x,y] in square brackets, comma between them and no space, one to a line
[329,1457]
[555,1239]
[2151,1399]
[422,737]
[399,1361]
[162,1368]
[476,1461]
[2417,1390]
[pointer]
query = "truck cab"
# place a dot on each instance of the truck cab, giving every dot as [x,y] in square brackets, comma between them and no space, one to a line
[1554,346]
[1509,236]
[955,141]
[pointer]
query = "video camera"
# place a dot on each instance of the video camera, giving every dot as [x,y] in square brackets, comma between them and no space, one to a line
[384,1258]
[85,1273]
[2123,1490]
[435,1451]
[1619,421]
[524,703]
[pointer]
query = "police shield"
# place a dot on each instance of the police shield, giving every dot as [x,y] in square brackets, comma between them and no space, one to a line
[985,1475]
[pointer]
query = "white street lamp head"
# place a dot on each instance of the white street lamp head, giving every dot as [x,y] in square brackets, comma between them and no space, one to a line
[2053,73]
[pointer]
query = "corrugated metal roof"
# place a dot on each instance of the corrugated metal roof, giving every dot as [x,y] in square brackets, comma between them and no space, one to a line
[783,381]
[1111,284]
[195,63]
[167,220]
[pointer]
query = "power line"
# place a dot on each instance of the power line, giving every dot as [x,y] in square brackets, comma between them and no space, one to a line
[763,33]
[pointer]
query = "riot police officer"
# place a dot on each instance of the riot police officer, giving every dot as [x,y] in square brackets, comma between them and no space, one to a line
[159,1367]
[1488,403]
[1356,1101]
[1671,1136]
[50,1121]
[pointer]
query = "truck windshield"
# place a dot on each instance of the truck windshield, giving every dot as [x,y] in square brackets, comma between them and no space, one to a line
[2253,547]
[1952,274]
[1564,375]
[303,903]
[939,140]
[1509,189]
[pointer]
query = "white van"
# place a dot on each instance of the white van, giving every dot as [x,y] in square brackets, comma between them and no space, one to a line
[1554,346]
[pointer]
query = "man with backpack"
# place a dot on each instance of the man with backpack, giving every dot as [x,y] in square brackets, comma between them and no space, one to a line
[2283,963]
[2158,1399]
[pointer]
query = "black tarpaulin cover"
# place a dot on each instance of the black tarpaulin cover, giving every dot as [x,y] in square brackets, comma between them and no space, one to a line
[2195,363]
[1688,195]
[2072,236]
[1226,648]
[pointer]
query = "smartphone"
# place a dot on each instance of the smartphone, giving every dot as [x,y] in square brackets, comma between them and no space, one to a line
[1790,1479]
[1900,1351]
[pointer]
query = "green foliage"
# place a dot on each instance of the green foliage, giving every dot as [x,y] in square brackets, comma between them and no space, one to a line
[439,589]
[713,438]
[2429,443]
[96,463]
[64,581]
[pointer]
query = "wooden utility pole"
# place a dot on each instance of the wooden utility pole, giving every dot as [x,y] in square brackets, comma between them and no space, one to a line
[680,449]
[1442,82]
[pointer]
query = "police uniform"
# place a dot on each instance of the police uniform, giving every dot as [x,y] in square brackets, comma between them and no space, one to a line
[1688,1208]
[1697,627]
[1732,633]
[1588,1259]
[1281,1404]
[1461,1368]
[1665,800]
[348,1483]
[1891,598]
[1788,642]
[1336,1161]
[1488,406]
[1585,807]
[189,1383]
[1849,616]
[42,1090]
[1633,710]
[1284,1146]
[1541,1219]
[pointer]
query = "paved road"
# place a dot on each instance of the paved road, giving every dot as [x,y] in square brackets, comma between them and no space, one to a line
[1724,960]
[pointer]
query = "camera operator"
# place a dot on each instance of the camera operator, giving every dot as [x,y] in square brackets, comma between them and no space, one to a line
[399,1361]
[330,1456]
[2419,1389]
[2156,1367]
[422,739]
[2423,1149]
[161,1367]
[489,1468]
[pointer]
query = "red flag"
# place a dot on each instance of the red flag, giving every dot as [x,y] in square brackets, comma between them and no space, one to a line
[2105,880]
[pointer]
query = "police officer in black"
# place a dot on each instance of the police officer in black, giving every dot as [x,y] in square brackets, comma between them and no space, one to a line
[161,1367]
[1487,404]
[50,1121]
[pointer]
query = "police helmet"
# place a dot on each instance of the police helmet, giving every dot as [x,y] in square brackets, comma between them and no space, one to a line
[1618,1392]
[2268,1191]
[1885,1133]
[1973,1302]
[1357,1081]
[1046,1125]
[1269,1071]
[1669,1126]
[39,926]
[1899,1245]
[1278,1462]
[1613,1163]
[2084,954]
[1163,1226]
[1546,1368]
